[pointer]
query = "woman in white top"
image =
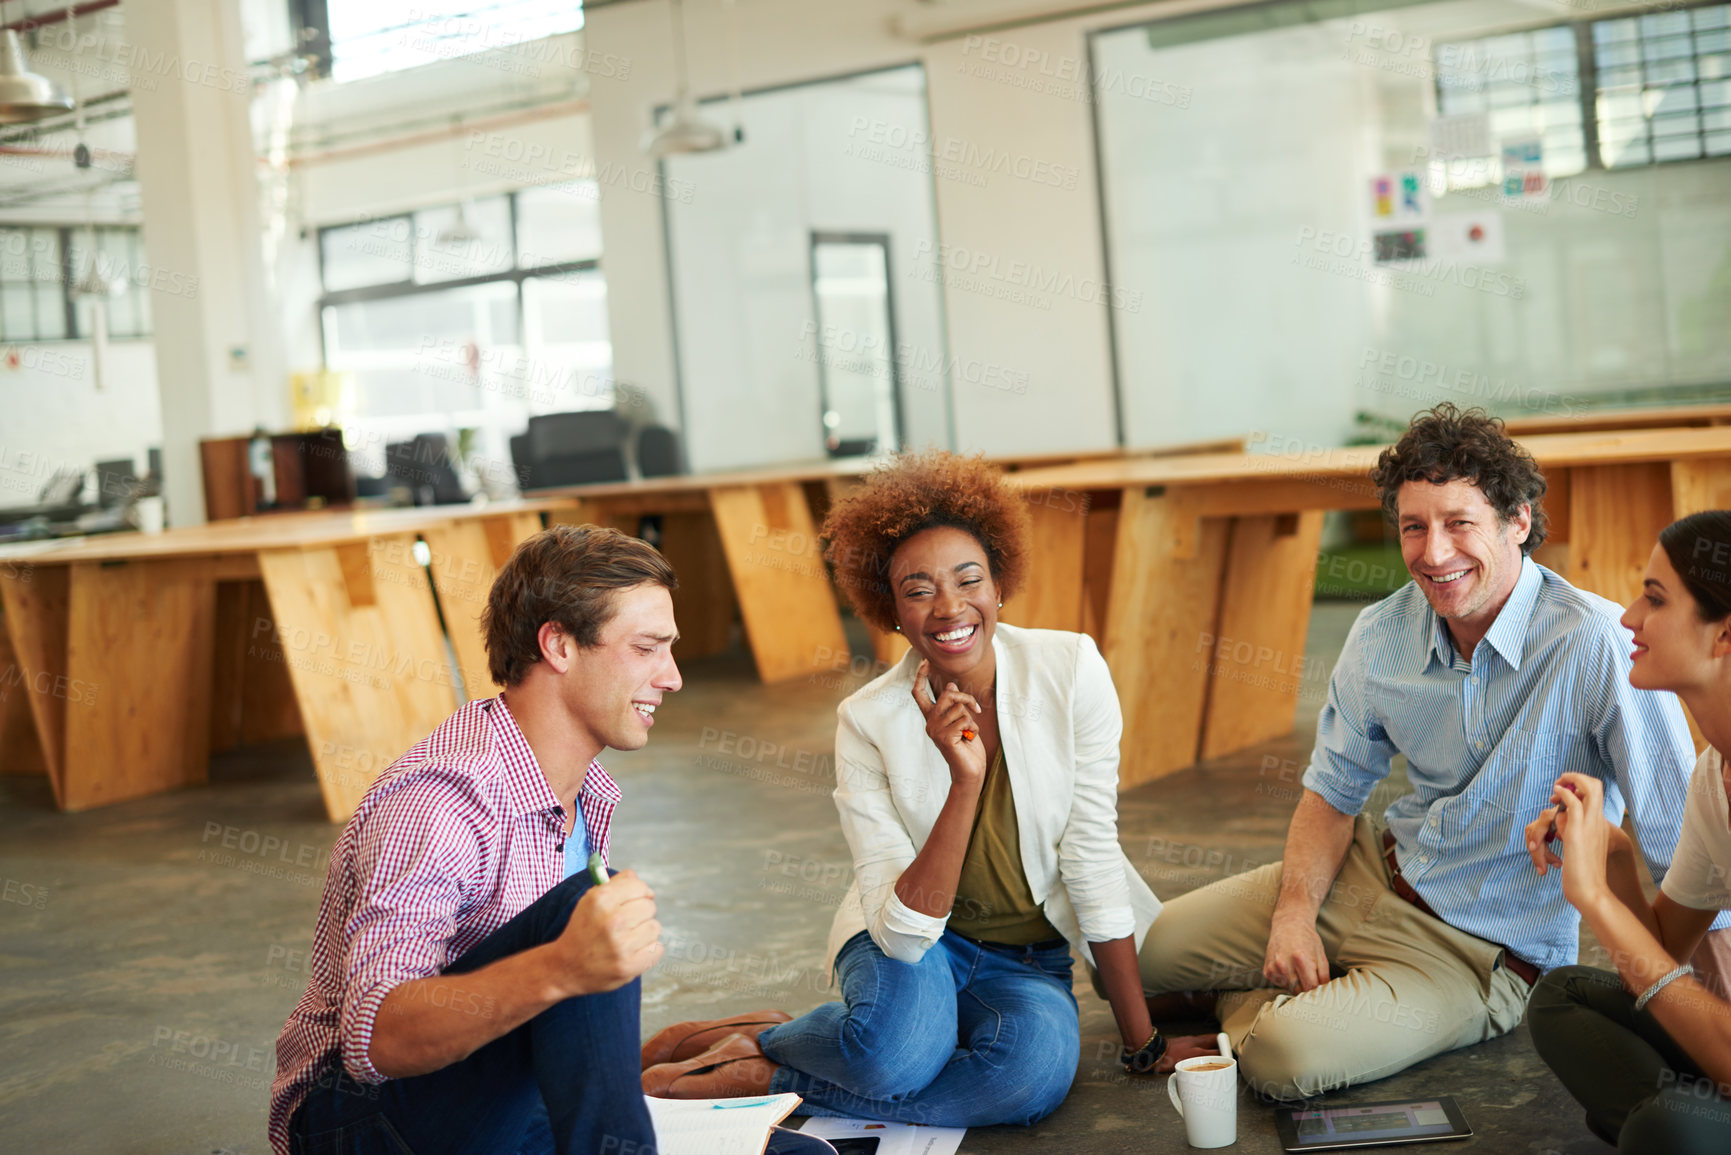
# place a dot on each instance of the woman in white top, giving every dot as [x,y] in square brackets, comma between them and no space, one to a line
[1649,1056]
[977,785]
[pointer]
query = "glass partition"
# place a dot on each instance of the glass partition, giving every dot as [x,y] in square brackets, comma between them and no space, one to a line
[1349,219]
[789,352]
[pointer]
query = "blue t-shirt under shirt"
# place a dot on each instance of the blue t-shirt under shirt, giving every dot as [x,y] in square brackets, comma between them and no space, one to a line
[577,847]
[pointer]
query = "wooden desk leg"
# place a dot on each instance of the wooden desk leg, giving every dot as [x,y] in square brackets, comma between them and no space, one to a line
[1615,515]
[1699,484]
[139,648]
[252,699]
[1101,544]
[1256,662]
[1162,611]
[35,599]
[360,635]
[20,749]
[466,558]
[778,572]
[703,603]
[1051,598]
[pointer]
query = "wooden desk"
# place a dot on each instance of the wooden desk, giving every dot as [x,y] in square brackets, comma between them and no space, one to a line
[751,538]
[748,537]
[1606,420]
[1195,574]
[140,654]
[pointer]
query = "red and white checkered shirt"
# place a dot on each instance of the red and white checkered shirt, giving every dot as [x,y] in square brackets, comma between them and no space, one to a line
[451,842]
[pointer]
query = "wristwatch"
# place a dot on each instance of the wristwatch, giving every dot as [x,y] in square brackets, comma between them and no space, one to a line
[1142,1060]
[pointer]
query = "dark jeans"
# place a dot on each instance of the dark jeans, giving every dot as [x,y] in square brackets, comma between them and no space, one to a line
[1639,1088]
[567,1080]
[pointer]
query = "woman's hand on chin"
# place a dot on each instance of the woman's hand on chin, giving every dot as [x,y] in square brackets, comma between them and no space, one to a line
[953,725]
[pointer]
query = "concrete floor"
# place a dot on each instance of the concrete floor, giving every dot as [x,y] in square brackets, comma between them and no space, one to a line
[150,951]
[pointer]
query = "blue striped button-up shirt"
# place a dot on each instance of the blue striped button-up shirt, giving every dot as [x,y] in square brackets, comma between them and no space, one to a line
[1485,737]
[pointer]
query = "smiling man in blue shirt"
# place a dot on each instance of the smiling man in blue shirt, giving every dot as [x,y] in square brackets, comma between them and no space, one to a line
[1368,950]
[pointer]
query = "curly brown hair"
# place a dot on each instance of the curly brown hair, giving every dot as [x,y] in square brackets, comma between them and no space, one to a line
[566,575]
[1447,444]
[915,492]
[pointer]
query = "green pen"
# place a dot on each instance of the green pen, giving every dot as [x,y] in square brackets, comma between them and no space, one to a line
[597,868]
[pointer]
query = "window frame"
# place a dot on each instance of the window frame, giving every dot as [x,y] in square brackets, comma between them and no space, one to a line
[409,287]
[67,235]
[1587,77]
[311,24]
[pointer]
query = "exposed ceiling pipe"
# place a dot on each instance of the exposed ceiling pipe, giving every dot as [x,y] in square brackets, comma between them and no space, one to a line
[66,153]
[57,16]
[446,132]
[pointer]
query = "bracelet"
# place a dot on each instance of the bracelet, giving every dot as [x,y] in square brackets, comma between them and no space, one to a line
[1143,1058]
[1647,997]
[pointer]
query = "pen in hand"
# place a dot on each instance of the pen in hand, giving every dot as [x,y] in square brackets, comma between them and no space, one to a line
[597,869]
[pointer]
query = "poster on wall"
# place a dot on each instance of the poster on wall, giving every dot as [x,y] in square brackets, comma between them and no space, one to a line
[1476,237]
[1397,198]
[1523,169]
[1392,246]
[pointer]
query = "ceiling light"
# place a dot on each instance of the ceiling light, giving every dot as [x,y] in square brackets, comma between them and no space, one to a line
[684,129]
[24,95]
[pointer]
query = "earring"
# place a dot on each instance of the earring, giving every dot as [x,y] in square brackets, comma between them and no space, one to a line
[1000,605]
[898,629]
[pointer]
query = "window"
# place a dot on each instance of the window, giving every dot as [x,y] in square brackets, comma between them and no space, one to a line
[370,37]
[32,284]
[1664,86]
[376,252]
[41,266]
[1526,84]
[119,260]
[471,239]
[472,316]
[558,223]
[1661,91]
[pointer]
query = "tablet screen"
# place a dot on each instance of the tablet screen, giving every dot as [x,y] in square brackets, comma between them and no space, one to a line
[1327,1126]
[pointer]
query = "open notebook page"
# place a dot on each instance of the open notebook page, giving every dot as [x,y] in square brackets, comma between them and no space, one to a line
[717,1126]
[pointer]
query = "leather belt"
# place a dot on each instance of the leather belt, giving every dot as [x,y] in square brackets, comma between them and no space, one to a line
[1526,971]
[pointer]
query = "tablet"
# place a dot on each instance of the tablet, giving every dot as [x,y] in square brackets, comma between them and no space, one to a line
[1370,1124]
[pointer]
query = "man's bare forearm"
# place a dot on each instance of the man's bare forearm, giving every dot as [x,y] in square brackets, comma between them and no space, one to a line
[425,1025]
[1316,845]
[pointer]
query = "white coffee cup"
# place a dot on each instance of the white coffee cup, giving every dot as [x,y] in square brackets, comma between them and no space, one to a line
[147,514]
[1207,1100]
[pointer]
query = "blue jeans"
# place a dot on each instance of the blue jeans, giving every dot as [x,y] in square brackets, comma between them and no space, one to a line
[969,1036]
[566,1081]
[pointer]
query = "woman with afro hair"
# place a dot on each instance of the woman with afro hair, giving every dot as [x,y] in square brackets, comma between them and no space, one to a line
[977,784]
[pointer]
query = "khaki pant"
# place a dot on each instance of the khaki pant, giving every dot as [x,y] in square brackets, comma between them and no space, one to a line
[1408,985]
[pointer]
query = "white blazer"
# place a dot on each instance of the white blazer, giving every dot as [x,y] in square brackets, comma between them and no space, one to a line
[1059,723]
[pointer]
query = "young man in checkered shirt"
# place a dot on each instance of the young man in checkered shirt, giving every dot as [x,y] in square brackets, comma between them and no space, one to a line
[471,988]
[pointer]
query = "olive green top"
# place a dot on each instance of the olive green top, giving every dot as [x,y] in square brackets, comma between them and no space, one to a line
[993,902]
